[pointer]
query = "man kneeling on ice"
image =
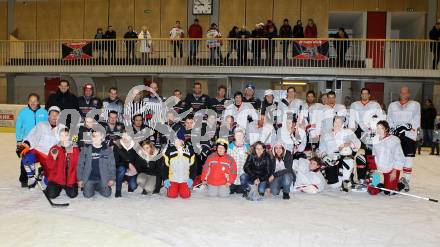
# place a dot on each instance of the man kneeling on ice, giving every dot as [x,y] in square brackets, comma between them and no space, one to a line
[309,178]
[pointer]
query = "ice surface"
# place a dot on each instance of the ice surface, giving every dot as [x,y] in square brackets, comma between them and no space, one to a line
[327,219]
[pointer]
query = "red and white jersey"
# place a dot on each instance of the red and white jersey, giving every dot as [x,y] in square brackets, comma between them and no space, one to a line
[365,115]
[388,154]
[402,114]
[286,108]
[312,115]
[241,114]
[305,177]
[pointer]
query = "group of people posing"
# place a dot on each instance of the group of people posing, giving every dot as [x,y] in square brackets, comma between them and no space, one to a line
[220,145]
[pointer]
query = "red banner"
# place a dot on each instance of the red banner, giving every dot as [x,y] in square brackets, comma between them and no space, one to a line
[77,50]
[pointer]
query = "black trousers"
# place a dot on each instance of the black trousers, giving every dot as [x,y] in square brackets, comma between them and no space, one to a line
[54,190]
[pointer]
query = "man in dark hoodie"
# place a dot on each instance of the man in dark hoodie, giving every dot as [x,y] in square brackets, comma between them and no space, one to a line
[88,102]
[242,46]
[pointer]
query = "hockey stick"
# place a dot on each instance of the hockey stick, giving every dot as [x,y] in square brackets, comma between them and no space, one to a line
[53,204]
[405,194]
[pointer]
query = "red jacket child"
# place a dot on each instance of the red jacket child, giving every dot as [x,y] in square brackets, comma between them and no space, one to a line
[57,162]
[219,168]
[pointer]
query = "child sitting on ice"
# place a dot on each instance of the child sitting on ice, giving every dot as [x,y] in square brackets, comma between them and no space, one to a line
[309,178]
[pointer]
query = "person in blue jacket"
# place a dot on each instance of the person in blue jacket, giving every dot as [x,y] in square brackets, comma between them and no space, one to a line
[27,118]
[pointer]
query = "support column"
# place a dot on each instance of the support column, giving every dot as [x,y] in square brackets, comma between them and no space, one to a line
[11,5]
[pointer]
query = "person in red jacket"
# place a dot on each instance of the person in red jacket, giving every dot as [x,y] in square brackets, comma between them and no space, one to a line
[195,31]
[311,30]
[219,171]
[61,167]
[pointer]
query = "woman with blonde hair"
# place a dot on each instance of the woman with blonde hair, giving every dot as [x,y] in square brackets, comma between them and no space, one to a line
[146,44]
[149,167]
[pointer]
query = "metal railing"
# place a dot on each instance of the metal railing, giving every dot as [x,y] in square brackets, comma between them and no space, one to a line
[327,53]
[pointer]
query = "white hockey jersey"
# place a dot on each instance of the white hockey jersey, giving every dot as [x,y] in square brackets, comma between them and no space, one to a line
[365,116]
[286,108]
[408,113]
[328,114]
[288,139]
[265,134]
[313,116]
[42,137]
[305,177]
[388,154]
[330,142]
[241,114]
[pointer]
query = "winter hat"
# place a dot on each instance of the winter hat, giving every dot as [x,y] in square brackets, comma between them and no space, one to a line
[54,108]
[222,142]
[88,86]
[268,92]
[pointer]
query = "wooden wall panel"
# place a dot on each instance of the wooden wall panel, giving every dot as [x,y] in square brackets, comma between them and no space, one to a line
[341,5]
[258,11]
[365,5]
[72,19]
[121,15]
[418,5]
[48,19]
[290,9]
[150,18]
[171,11]
[25,20]
[392,5]
[96,15]
[438,9]
[3,20]
[318,11]
[232,13]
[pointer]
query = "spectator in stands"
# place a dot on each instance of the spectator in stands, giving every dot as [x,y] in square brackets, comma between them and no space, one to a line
[341,46]
[311,30]
[195,31]
[298,30]
[271,45]
[111,44]
[112,103]
[429,114]
[146,44]
[434,35]
[233,34]
[176,34]
[130,44]
[98,45]
[269,24]
[257,45]
[64,99]
[87,102]
[285,32]
[214,44]
[242,48]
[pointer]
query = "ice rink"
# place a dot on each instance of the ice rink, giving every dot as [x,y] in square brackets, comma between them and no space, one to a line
[328,219]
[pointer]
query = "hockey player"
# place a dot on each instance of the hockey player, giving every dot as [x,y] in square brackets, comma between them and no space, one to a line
[219,170]
[39,140]
[61,164]
[289,106]
[249,96]
[243,112]
[269,108]
[309,178]
[404,118]
[389,158]
[218,104]
[293,137]
[330,110]
[88,102]
[196,100]
[364,115]
[153,106]
[112,103]
[312,115]
[179,169]
[336,149]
